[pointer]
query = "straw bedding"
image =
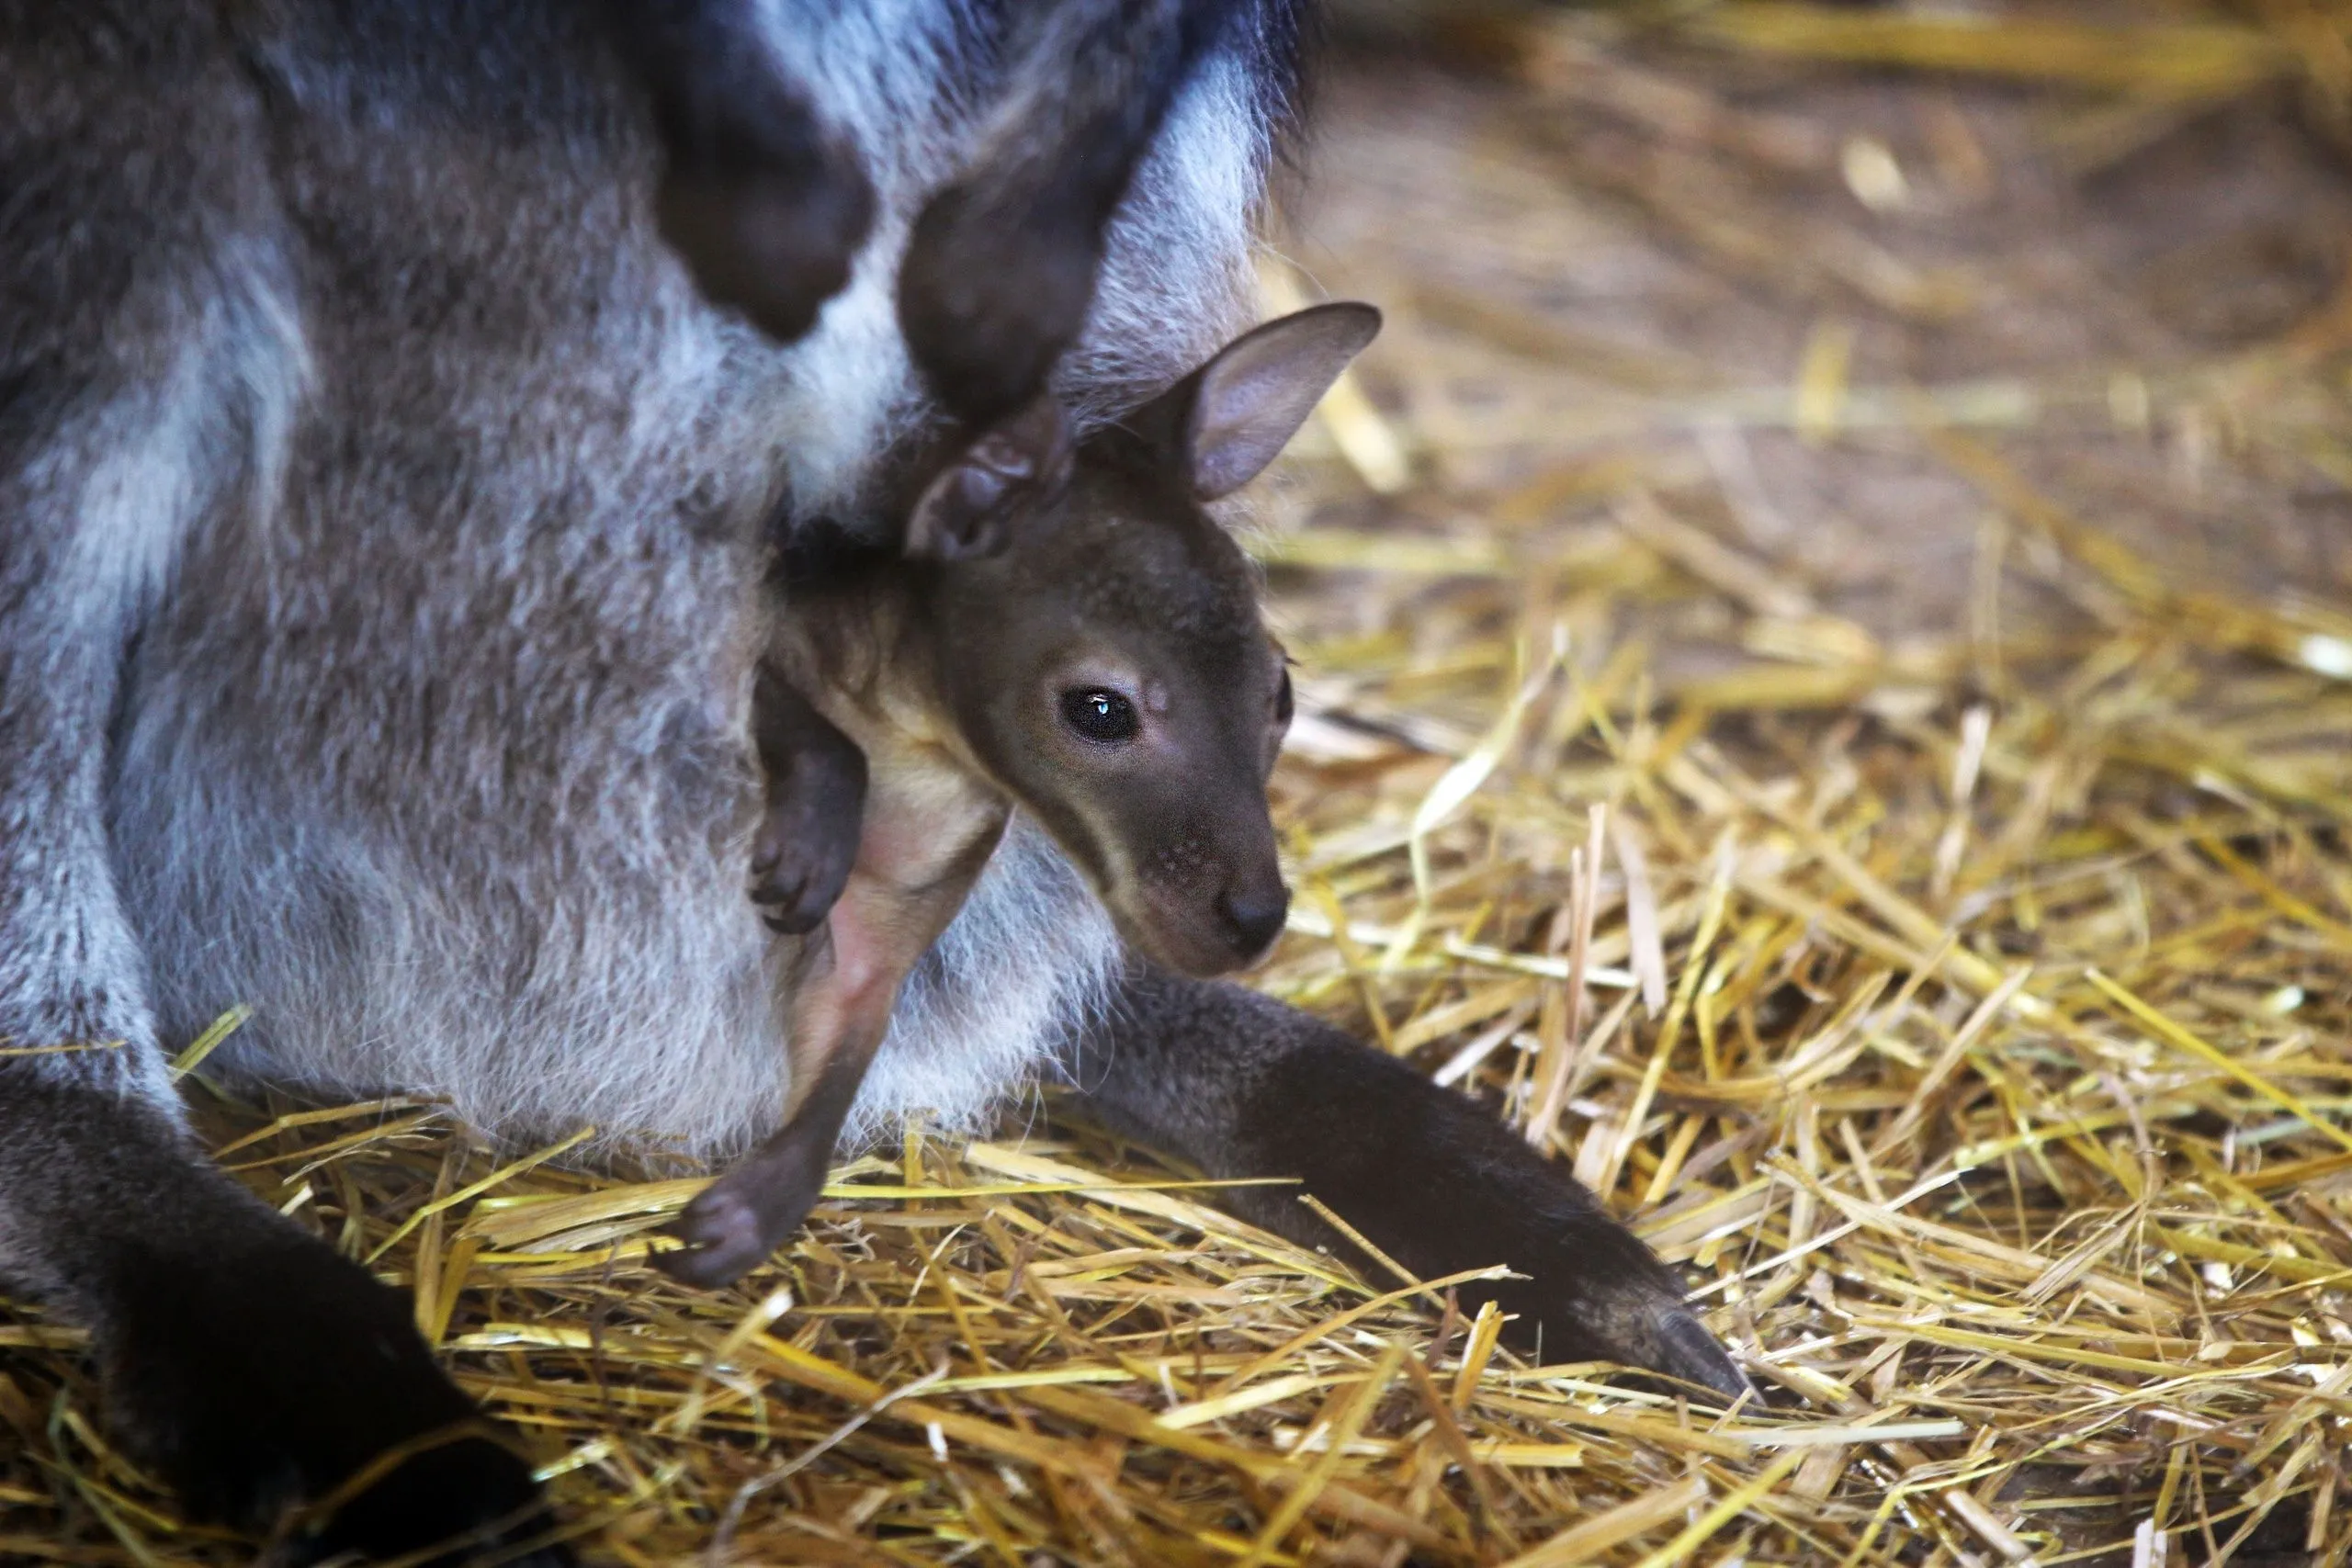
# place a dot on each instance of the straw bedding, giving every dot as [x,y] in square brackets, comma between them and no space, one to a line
[1824,633]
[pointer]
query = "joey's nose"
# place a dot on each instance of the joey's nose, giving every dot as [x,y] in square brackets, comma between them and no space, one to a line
[1253,916]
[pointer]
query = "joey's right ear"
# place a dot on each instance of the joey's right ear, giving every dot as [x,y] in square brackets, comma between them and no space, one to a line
[971,508]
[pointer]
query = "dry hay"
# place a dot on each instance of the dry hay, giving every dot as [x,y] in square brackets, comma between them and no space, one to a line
[1939,946]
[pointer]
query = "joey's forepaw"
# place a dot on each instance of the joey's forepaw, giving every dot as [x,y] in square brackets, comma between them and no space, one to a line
[808,838]
[801,862]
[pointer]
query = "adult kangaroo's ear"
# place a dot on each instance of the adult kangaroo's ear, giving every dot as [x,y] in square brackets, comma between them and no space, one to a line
[1238,412]
[973,506]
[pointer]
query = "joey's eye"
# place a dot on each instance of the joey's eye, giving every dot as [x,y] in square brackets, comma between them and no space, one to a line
[1283,702]
[1099,714]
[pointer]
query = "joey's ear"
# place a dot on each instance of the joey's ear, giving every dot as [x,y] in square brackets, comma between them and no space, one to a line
[1238,412]
[974,506]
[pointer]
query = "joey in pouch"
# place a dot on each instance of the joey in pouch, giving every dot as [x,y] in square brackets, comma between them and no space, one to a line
[1067,632]
[1076,637]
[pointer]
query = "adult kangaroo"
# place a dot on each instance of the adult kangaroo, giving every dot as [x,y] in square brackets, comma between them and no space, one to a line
[383,521]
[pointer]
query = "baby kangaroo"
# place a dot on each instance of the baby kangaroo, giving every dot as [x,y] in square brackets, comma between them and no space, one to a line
[1067,632]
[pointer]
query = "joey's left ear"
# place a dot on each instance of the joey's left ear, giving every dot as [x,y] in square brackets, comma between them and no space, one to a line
[974,505]
[1236,413]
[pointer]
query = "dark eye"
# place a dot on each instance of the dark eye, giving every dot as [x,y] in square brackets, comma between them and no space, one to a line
[1099,714]
[1283,703]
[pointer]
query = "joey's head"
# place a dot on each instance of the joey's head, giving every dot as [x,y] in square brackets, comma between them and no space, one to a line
[1097,643]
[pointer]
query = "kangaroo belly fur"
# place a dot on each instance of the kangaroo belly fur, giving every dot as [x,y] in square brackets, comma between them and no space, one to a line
[433,741]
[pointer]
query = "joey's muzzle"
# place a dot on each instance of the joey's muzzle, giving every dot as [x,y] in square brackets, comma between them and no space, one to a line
[1251,911]
[1202,904]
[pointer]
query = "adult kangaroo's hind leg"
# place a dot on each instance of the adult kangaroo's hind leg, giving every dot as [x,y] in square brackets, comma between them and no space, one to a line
[1245,1087]
[143,355]
[275,1384]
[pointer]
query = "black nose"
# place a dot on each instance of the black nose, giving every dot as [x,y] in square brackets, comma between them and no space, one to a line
[1252,920]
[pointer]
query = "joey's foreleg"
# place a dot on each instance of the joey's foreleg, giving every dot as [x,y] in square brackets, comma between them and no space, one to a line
[1000,266]
[1245,1087]
[816,802]
[765,205]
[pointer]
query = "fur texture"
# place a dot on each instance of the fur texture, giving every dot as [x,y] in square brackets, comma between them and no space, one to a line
[1007,137]
[382,522]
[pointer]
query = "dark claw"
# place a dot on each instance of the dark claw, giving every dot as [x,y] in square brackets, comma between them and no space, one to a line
[1689,1353]
[798,869]
[788,907]
[771,890]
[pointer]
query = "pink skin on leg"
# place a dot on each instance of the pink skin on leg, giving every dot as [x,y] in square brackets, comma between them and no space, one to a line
[899,900]
[841,1013]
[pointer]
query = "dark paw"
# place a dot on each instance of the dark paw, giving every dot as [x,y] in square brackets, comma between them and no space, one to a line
[760,244]
[1607,1300]
[467,1502]
[726,1234]
[801,862]
[990,299]
[766,211]
[272,1385]
[734,1223]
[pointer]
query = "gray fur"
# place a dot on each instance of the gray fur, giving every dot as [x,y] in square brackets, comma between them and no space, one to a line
[1176,281]
[383,522]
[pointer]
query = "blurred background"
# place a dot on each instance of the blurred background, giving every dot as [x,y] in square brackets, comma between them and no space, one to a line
[1824,628]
